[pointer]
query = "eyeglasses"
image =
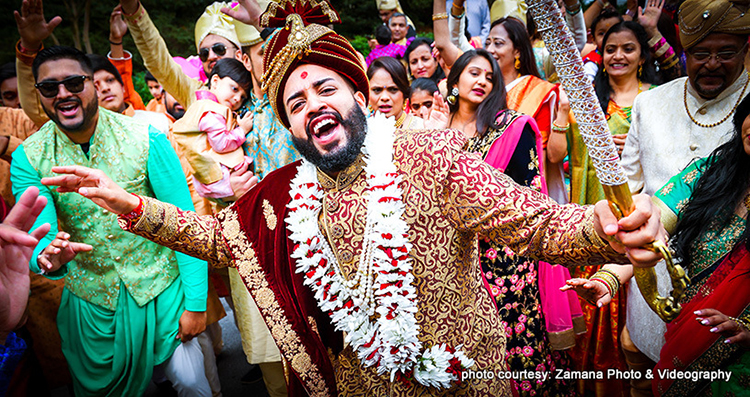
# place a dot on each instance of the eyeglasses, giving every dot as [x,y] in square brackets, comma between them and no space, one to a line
[723,56]
[74,85]
[218,49]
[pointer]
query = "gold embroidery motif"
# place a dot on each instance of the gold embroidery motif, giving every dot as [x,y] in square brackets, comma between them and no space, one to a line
[689,178]
[269,215]
[313,324]
[667,189]
[288,342]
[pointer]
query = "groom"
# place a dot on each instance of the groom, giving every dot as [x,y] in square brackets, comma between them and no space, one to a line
[412,207]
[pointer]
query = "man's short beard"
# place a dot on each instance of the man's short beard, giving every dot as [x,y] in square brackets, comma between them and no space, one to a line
[355,126]
[88,116]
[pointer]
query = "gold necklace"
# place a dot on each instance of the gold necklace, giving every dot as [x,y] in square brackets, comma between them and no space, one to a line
[731,112]
[400,120]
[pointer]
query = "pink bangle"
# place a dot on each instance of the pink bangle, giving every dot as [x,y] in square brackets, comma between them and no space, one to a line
[659,44]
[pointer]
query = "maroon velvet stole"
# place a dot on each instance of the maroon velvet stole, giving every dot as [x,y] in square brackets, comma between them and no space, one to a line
[689,345]
[302,332]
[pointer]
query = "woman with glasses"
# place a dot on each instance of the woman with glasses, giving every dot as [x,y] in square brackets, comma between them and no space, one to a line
[705,209]
[389,91]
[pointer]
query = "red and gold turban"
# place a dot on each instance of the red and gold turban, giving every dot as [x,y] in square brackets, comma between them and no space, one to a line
[304,40]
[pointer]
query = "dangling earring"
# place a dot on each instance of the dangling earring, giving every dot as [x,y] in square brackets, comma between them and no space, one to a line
[604,69]
[517,64]
[453,96]
[640,71]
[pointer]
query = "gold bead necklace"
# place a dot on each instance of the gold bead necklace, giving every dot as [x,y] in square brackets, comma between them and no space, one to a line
[731,112]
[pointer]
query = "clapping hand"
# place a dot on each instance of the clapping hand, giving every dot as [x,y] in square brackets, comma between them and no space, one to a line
[59,252]
[16,249]
[438,116]
[95,185]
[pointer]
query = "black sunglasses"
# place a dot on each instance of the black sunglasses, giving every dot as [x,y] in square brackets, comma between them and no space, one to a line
[218,49]
[49,89]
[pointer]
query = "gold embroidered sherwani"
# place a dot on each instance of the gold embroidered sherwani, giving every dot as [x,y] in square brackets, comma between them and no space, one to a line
[450,197]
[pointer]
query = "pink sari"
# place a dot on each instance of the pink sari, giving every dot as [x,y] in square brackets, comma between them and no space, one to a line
[561,308]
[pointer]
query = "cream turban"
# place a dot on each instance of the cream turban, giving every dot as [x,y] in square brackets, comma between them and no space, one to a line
[389,5]
[508,9]
[699,18]
[213,21]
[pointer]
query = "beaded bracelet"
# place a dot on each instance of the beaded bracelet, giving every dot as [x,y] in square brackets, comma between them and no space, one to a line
[559,129]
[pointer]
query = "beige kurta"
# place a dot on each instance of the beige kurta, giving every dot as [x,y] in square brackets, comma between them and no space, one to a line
[662,141]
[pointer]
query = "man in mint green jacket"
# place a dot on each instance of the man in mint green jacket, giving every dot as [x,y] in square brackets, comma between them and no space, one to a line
[127,303]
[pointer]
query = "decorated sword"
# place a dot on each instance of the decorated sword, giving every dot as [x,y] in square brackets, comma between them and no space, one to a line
[601,148]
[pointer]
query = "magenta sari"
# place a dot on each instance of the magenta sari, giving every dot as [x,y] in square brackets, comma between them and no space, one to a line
[561,308]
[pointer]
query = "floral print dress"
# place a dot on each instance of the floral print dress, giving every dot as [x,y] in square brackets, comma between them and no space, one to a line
[512,279]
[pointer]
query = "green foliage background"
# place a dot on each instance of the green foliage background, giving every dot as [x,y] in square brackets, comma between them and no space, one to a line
[175,21]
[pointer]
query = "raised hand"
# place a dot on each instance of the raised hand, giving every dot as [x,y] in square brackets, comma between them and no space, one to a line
[438,115]
[16,249]
[31,24]
[594,292]
[95,185]
[728,327]
[649,17]
[247,12]
[117,26]
[59,252]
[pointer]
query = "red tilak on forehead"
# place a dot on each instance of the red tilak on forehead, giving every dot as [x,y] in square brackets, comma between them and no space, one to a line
[303,75]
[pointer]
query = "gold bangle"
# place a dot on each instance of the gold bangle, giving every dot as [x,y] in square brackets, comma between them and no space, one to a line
[442,15]
[613,274]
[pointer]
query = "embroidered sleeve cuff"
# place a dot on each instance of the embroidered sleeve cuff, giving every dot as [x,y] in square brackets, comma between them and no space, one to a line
[590,235]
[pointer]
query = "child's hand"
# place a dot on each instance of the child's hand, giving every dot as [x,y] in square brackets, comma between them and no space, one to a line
[246,122]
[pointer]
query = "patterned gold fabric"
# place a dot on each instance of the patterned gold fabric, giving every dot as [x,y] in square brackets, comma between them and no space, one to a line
[450,197]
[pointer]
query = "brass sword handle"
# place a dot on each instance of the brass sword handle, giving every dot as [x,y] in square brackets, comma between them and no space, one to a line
[666,308]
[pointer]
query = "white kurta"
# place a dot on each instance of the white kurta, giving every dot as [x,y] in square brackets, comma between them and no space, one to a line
[661,142]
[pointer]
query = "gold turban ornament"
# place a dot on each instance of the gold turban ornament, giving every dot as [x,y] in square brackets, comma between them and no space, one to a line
[303,39]
[699,18]
[213,21]
[508,9]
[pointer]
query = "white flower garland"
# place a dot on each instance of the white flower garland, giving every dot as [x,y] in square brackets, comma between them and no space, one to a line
[390,342]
